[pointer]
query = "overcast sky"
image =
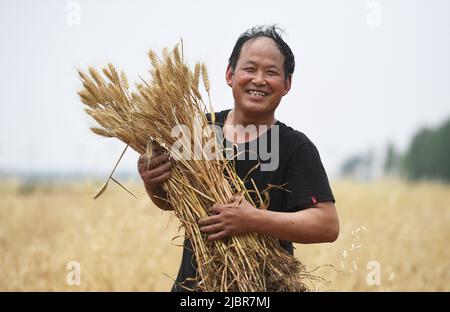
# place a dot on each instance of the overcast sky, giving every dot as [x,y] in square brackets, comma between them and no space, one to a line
[367,72]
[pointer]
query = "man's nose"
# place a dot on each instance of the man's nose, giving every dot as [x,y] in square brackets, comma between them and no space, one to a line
[259,78]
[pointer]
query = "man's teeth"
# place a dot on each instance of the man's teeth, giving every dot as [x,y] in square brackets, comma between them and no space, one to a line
[257,93]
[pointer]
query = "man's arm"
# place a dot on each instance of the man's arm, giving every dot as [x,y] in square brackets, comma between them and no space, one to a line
[318,224]
[160,199]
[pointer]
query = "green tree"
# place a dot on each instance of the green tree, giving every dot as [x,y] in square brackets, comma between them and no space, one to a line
[428,154]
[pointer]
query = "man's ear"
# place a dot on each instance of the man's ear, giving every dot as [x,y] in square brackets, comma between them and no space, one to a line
[229,75]
[287,85]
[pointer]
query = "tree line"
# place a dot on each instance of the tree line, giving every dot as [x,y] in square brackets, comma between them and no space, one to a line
[427,157]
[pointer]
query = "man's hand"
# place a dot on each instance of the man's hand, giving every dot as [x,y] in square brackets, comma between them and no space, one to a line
[234,218]
[154,172]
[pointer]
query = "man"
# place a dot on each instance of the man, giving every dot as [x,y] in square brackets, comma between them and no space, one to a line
[302,211]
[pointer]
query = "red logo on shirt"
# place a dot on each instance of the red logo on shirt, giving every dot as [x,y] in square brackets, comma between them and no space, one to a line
[314,200]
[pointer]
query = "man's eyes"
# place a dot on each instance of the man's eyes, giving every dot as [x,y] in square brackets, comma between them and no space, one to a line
[269,72]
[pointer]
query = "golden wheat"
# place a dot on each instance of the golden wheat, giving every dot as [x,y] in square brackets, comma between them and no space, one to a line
[113,238]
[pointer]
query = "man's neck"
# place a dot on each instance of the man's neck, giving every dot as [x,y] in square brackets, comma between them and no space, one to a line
[236,130]
[237,117]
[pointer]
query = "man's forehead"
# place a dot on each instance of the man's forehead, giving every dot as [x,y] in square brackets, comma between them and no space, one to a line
[270,61]
[257,49]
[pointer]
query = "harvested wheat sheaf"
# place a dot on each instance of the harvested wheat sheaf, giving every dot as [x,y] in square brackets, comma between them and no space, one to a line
[250,262]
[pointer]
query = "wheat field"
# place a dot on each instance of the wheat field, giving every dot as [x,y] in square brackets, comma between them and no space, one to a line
[393,238]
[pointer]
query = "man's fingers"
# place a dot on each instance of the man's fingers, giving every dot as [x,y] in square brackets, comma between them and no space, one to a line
[142,158]
[140,162]
[160,170]
[144,162]
[160,179]
[236,198]
[214,228]
[217,208]
[209,221]
[217,236]
[157,160]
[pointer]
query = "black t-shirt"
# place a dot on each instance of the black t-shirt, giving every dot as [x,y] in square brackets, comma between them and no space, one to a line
[298,168]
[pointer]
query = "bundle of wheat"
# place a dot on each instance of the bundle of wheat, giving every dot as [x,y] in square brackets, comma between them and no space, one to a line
[249,262]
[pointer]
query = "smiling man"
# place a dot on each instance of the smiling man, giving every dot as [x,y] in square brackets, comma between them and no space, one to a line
[259,73]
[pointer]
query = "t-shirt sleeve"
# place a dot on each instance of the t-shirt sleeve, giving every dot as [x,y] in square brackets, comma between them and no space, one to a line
[307,180]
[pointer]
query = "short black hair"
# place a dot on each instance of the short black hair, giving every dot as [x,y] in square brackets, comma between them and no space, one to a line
[273,32]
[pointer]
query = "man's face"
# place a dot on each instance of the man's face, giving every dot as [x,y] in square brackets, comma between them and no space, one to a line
[258,81]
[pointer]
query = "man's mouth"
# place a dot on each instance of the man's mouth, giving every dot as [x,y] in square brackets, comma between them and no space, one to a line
[257,93]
